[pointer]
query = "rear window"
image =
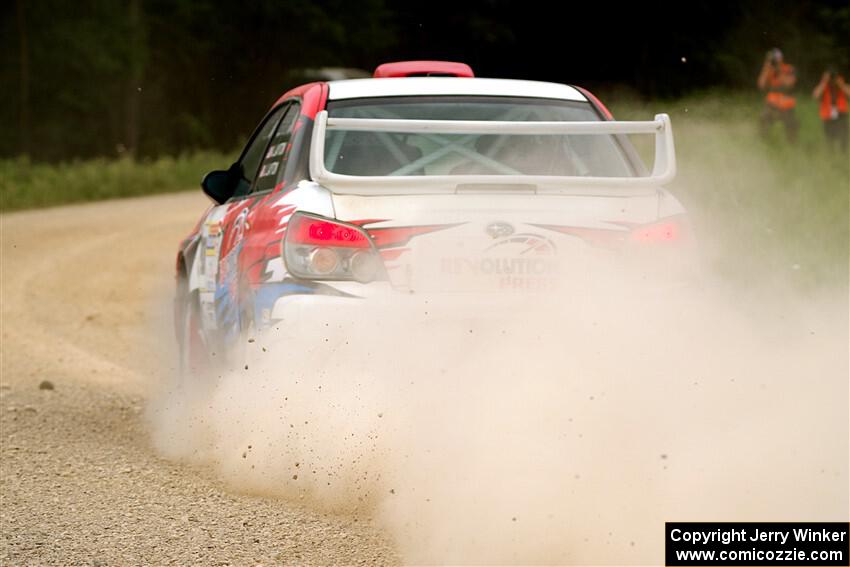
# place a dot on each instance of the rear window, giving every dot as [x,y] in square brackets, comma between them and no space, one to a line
[394,154]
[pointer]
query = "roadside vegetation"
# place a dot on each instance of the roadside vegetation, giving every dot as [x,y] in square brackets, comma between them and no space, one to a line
[25,184]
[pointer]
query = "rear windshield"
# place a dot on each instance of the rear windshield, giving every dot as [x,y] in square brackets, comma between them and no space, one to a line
[392,154]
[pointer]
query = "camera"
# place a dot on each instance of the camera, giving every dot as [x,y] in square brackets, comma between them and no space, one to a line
[773,56]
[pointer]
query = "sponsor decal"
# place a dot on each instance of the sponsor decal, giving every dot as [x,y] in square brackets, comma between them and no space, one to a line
[522,244]
[611,238]
[496,266]
[276,150]
[522,262]
[269,169]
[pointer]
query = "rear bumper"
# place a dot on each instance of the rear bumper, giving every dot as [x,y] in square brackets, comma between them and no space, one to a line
[379,301]
[296,309]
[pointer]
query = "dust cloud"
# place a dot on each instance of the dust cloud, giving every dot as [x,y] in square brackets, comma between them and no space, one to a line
[546,428]
[562,428]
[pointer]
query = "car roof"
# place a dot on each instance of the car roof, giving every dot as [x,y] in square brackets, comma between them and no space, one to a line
[425,86]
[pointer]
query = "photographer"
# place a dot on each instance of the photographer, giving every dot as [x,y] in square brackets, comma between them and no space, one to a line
[832,92]
[778,78]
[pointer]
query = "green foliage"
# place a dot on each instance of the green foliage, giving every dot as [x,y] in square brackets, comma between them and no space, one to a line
[24,184]
[762,208]
[98,77]
[812,35]
[159,77]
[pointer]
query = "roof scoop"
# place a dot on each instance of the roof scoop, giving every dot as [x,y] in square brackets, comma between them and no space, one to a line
[423,69]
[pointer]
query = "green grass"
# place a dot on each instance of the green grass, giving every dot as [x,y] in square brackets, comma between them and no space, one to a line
[762,209]
[26,185]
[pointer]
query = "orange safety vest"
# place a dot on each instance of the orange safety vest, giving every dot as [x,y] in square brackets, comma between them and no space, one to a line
[826,103]
[776,97]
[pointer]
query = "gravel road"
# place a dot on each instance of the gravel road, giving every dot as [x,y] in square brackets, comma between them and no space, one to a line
[84,303]
[692,407]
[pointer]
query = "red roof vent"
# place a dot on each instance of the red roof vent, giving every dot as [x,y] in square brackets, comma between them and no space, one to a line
[423,69]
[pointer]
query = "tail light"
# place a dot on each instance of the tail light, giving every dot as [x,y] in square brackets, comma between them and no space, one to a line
[668,230]
[317,248]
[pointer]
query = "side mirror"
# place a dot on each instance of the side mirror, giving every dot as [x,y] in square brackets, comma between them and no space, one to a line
[219,185]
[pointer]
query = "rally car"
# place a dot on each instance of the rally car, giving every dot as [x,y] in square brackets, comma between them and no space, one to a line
[420,179]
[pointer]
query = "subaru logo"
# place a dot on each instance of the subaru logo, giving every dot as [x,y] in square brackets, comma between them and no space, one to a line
[499,229]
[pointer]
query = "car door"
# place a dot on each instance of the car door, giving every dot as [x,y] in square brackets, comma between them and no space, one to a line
[224,231]
[263,220]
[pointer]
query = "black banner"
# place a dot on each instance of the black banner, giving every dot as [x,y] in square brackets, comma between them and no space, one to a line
[757,543]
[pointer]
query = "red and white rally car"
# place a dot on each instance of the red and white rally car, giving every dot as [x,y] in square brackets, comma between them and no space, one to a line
[419,180]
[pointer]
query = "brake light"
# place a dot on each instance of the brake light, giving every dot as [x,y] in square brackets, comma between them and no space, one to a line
[665,231]
[308,230]
[321,249]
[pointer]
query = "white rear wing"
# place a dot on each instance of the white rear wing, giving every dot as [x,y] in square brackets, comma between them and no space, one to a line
[663,171]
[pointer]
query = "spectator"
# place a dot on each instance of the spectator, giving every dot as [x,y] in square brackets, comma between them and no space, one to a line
[832,92]
[777,78]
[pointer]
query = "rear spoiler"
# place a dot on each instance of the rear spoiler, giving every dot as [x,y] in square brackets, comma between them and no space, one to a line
[663,171]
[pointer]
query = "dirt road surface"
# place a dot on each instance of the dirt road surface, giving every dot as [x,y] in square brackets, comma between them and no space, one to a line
[85,307]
